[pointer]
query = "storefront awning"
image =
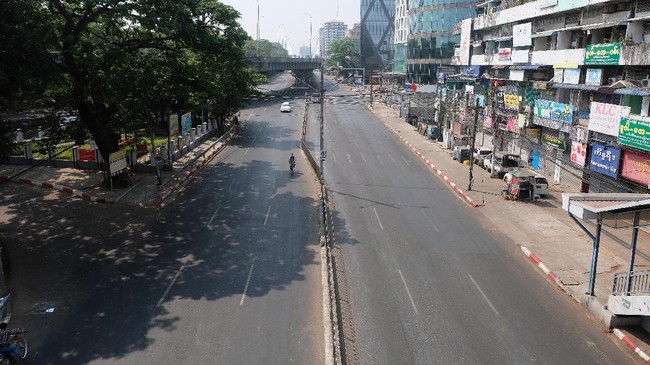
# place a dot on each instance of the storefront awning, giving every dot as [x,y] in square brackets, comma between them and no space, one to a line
[632,91]
[502,39]
[531,67]
[499,67]
[544,34]
[560,85]
[600,25]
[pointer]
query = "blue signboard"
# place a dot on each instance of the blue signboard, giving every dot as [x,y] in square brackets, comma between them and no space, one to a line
[471,71]
[604,159]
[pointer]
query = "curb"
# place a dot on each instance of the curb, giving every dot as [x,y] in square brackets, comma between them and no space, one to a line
[453,185]
[621,336]
[535,260]
[58,187]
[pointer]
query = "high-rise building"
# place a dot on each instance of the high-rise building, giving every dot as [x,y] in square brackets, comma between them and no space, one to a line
[401,35]
[331,32]
[431,41]
[355,36]
[377,25]
[304,51]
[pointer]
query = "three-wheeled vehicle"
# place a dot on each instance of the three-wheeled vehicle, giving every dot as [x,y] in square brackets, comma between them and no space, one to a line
[521,186]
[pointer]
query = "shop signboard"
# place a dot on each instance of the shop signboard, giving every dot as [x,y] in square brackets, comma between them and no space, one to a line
[562,113]
[465,35]
[173,125]
[604,160]
[516,75]
[572,75]
[635,133]
[558,75]
[602,54]
[471,71]
[553,141]
[543,108]
[636,167]
[86,154]
[511,101]
[186,123]
[606,118]
[534,134]
[521,34]
[117,162]
[511,125]
[594,76]
[504,54]
[487,122]
[521,120]
[578,153]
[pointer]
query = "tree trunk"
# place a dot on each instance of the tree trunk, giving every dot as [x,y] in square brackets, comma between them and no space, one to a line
[98,122]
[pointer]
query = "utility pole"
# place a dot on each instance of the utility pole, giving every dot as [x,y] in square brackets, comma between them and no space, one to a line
[322,120]
[257,53]
[494,131]
[471,151]
[371,88]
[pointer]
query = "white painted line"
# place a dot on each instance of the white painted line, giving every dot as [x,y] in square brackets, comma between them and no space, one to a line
[170,286]
[406,161]
[363,157]
[213,215]
[408,291]
[248,280]
[483,294]
[349,159]
[432,225]
[378,220]
[273,184]
[334,157]
[356,143]
[391,157]
[246,152]
[267,215]
[380,161]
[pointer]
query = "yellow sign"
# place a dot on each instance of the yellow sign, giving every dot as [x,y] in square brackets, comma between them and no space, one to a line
[511,101]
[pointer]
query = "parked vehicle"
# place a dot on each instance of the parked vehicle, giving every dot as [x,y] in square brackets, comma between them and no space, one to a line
[461,154]
[480,154]
[509,163]
[285,107]
[541,185]
[487,162]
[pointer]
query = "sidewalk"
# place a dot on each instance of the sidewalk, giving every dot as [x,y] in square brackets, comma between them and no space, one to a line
[144,191]
[543,230]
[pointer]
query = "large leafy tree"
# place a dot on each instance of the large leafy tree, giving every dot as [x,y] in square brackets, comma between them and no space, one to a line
[264,48]
[123,58]
[342,53]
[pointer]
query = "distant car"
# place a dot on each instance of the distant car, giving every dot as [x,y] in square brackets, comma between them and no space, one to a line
[541,185]
[461,154]
[285,107]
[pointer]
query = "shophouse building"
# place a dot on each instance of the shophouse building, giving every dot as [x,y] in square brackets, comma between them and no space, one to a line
[566,84]
[377,25]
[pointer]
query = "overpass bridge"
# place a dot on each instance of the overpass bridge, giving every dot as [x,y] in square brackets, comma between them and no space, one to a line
[302,68]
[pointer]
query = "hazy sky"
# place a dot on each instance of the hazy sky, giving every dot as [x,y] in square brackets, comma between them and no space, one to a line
[287,18]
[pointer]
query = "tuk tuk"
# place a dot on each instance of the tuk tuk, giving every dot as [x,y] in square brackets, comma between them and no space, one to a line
[520,185]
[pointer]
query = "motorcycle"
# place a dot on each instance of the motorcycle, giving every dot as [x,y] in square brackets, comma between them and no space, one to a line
[13,346]
[292,165]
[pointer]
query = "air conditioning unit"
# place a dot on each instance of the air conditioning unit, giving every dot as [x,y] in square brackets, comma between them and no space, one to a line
[645,82]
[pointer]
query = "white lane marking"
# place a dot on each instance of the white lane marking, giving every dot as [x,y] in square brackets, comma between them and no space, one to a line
[213,215]
[357,143]
[246,152]
[170,286]
[391,157]
[380,161]
[248,280]
[433,225]
[405,160]
[349,159]
[363,157]
[378,220]
[266,218]
[273,184]
[483,294]
[265,108]
[334,157]
[408,292]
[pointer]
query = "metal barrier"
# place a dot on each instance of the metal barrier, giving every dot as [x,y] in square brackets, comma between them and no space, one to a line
[639,284]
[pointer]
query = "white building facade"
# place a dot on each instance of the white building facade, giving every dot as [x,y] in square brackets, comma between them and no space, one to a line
[331,32]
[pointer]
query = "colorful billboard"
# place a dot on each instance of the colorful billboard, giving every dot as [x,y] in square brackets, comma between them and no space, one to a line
[634,133]
[578,153]
[603,54]
[604,160]
[186,123]
[606,118]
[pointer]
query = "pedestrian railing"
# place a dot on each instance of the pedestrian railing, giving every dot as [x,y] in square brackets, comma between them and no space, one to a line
[639,283]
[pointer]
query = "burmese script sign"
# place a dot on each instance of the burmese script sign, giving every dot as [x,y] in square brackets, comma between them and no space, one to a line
[634,133]
[603,54]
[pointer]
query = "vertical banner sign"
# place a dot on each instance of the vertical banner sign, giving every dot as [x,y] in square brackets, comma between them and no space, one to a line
[578,153]
[511,126]
[636,167]
[604,160]
[116,162]
[173,125]
[635,133]
[186,123]
[602,54]
[465,35]
[606,118]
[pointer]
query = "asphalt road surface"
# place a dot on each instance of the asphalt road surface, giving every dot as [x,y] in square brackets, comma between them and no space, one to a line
[427,282]
[228,273]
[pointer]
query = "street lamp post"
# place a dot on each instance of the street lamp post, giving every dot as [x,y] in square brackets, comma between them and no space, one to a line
[257,52]
[310,34]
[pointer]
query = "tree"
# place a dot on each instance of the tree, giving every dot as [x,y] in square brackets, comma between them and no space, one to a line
[117,55]
[264,48]
[342,52]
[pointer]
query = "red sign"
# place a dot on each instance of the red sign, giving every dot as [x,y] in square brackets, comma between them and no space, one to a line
[636,167]
[487,122]
[86,155]
[512,124]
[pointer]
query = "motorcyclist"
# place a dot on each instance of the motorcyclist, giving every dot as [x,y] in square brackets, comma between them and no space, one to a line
[292,161]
